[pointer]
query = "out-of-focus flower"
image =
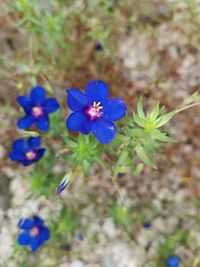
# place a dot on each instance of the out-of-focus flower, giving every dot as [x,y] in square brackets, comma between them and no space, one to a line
[93,111]
[37,109]
[98,47]
[147,224]
[79,237]
[34,234]
[173,261]
[27,151]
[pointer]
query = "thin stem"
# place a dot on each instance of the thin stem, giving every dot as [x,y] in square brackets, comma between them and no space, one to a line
[119,191]
[186,107]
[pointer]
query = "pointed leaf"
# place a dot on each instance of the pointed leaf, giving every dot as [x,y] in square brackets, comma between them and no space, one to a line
[192,98]
[155,112]
[140,108]
[164,119]
[143,156]
[140,121]
[158,135]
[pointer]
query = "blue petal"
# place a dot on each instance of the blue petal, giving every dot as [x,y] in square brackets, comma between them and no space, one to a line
[78,121]
[51,105]
[40,153]
[76,100]
[104,130]
[16,156]
[26,224]
[97,91]
[25,102]
[45,234]
[37,220]
[25,122]
[24,238]
[36,242]
[114,109]
[34,142]
[20,145]
[43,123]
[38,95]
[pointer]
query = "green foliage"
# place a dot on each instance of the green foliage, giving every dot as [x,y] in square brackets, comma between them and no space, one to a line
[83,151]
[167,248]
[192,98]
[42,180]
[141,138]
[121,215]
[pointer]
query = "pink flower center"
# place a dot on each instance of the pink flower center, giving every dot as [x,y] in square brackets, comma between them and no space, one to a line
[34,231]
[37,112]
[30,155]
[93,112]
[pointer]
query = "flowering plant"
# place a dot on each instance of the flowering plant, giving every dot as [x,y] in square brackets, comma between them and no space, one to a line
[93,115]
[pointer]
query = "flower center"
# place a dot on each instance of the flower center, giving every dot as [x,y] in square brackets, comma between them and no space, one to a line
[93,112]
[30,155]
[37,112]
[34,231]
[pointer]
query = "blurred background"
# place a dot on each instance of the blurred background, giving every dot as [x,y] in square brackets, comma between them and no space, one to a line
[139,48]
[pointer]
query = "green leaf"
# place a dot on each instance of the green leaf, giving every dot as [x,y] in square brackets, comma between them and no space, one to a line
[158,135]
[123,156]
[86,168]
[149,145]
[140,108]
[143,156]
[192,98]
[155,112]
[164,119]
[141,122]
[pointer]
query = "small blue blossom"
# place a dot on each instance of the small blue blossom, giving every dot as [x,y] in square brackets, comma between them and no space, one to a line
[94,112]
[98,47]
[173,261]
[37,109]
[147,224]
[27,151]
[34,234]
[79,237]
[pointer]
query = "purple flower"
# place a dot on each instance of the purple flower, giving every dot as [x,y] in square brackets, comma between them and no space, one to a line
[93,111]
[173,261]
[37,109]
[27,151]
[34,234]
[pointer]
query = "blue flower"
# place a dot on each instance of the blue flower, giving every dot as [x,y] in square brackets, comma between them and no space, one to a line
[27,151]
[79,237]
[93,111]
[173,261]
[34,234]
[147,224]
[98,47]
[37,109]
